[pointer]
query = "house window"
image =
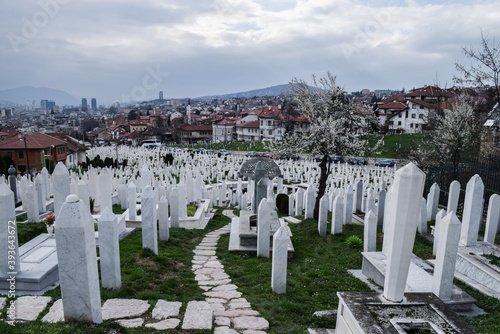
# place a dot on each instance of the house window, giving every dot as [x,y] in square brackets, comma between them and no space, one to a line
[414,106]
[399,122]
[421,116]
[261,123]
[400,116]
[413,116]
[20,154]
[269,123]
[270,132]
[391,122]
[411,125]
[421,107]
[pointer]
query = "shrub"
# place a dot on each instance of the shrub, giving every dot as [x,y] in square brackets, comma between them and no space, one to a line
[91,203]
[354,241]
[191,209]
[168,159]
[282,203]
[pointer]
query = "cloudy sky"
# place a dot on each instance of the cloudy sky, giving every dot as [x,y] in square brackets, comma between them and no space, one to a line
[129,49]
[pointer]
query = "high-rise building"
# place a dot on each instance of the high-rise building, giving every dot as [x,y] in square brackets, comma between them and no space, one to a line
[160,95]
[93,103]
[47,105]
[84,104]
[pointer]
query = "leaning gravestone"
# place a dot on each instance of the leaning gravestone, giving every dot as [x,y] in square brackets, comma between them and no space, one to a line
[473,211]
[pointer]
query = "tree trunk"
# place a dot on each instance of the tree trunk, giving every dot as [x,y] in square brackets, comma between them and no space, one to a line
[324,166]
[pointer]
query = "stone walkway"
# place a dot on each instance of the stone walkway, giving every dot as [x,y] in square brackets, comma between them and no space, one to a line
[232,313]
[223,308]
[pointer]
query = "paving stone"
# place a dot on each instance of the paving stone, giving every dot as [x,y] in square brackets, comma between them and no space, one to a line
[197,266]
[217,308]
[124,308]
[164,324]
[29,307]
[235,313]
[224,330]
[164,309]
[56,313]
[208,243]
[204,252]
[198,316]
[225,287]
[250,323]
[201,277]
[131,323]
[220,276]
[201,258]
[214,264]
[251,331]
[204,247]
[222,321]
[215,300]
[238,306]
[320,331]
[223,294]
[210,271]
[215,282]
[239,300]
[326,314]
[205,288]
[198,262]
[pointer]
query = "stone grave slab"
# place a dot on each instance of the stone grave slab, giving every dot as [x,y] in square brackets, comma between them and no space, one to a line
[419,278]
[39,270]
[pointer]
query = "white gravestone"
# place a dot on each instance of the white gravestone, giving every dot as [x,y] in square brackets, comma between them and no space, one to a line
[492,219]
[323,215]
[132,201]
[370,232]
[433,201]
[400,228]
[148,214]
[446,257]
[109,250]
[77,261]
[263,228]
[348,205]
[8,232]
[437,230]
[280,258]
[473,211]
[31,205]
[310,202]
[453,197]
[163,219]
[337,215]
[174,208]
[381,207]
[60,188]
[422,217]
[105,189]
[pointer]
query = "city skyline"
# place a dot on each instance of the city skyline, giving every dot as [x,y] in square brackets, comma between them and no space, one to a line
[122,50]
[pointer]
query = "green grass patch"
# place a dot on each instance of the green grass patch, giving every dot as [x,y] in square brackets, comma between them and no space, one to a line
[117,209]
[28,231]
[395,146]
[22,218]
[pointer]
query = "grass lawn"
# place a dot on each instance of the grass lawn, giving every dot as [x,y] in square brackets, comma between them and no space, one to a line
[394,146]
[145,276]
[317,271]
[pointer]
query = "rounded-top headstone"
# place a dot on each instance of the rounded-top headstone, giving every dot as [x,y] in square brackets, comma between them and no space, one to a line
[72,198]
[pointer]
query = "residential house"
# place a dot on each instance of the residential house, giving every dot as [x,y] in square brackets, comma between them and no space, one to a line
[222,130]
[195,133]
[271,125]
[75,154]
[138,125]
[31,151]
[248,131]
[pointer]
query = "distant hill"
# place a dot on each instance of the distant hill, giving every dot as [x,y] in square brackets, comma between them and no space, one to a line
[269,91]
[20,95]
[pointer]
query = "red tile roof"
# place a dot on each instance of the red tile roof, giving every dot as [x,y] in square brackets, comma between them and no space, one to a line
[34,141]
[394,98]
[197,128]
[429,91]
[224,121]
[393,105]
[254,124]
[138,122]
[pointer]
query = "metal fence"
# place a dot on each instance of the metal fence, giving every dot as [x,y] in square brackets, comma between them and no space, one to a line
[444,174]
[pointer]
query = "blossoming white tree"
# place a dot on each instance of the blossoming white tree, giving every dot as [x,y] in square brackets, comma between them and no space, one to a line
[334,125]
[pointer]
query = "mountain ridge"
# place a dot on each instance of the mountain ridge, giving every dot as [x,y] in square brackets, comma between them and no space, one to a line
[267,91]
[19,95]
